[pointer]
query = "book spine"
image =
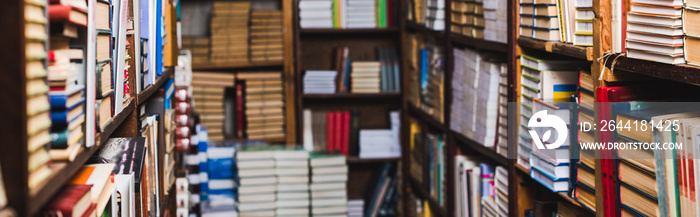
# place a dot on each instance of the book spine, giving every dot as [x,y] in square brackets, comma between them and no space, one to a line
[330,125]
[346,133]
[240,124]
[338,131]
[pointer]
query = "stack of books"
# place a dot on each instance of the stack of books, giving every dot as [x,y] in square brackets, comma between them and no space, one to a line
[381,143]
[361,13]
[435,14]
[417,11]
[691,12]
[389,72]
[356,208]
[550,81]
[496,21]
[315,14]
[264,104]
[221,175]
[365,77]
[266,36]
[199,48]
[258,181]
[502,147]
[583,185]
[479,21]
[583,16]
[229,32]
[292,169]
[329,176]
[320,82]
[462,17]
[208,93]
[67,104]
[38,118]
[501,191]
[540,20]
[655,31]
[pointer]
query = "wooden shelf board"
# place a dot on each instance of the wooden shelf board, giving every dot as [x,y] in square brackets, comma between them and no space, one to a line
[560,194]
[349,31]
[215,66]
[481,149]
[683,73]
[580,52]
[385,95]
[423,29]
[150,90]
[63,171]
[423,194]
[426,118]
[358,160]
[479,44]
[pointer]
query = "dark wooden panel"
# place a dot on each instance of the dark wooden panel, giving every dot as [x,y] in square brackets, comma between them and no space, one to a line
[229,66]
[372,115]
[359,178]
[317,52]
[358,160]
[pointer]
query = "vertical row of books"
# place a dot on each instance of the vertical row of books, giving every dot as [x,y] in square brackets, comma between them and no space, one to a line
[37,89]
[657,32]
[583,185]
[427,77]
[480,189]
[192,161]
[260,97]
[266,30]
[229,32]
[582,17]
[208,94]
[476,95]
[427,161]
[104,66]
[541,20]
[496,21]
[468,19]
[347,14]
[332,131]
[382,194]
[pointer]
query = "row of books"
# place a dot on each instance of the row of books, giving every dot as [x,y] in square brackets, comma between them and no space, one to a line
[480,189]
[479,104]
[569,21]
[468,18]
[427,161]
[430,13]
[426,84]
[347,14]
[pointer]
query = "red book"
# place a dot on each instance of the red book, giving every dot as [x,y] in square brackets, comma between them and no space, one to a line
[338,131]
[330,130]
[67,14]
[90,211]
[345,144]
[240,119]
[73,200]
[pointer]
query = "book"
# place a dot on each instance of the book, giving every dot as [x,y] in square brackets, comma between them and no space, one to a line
[73,200]
[59,13]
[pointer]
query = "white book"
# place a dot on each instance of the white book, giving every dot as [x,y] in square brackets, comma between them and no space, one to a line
[292,163]
[329,202]
[308,136]
[291,155]
[254,155]
[292,195]
[256,164]
[332,194]
[546,166]
[315,14]
[256,173]
[256,189]
[315,4]
[257,197]
[285,211]
[327,161]
[292,187]
[292,203]
[221,184]
[263,213]
[293,179]
[259,181]
[244,207]
[558,185]
[90,85]
[329,178]
[327,186]
[330,170]
[292,171]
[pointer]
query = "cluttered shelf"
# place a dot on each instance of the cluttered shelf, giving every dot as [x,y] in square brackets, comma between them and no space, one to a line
[684,73]
[348,96]
[226,66]
[420,114]
[425,30]
[479,44]
[423,194]
[148,92]
[580,52]
[481,149]
[62,171]
[349,31]
[358,160]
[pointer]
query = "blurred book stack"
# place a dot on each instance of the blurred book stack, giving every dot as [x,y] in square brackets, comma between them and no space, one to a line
[479,21]
[199,48]
[258,181]
[356,208]
[365,77]
[496,20]
[361,13]
[315,14]
[502,147]
[208,92]
[229,32]
[266,36]
[432,82]
[38,118]
[540,20]
[292,169]
[462,22]
[435,14]
[329,176]
[655,31]
[67,103]
[263,104]
[320,82]
[221,176]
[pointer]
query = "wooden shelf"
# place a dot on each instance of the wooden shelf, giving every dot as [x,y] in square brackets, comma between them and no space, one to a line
[150,90]
[423,194]
[479,44]
[228,66]
[392,30]
[580,52]
[348,96]
[425,30]
[63,171]
[481,149]
[683,73]
[420,114]
[358,160]
[562,195]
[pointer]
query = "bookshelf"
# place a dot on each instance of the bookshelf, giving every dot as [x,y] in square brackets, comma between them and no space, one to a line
[585,53]
[683,73]
[148,92]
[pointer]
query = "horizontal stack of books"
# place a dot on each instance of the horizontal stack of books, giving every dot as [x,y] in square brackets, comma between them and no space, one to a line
[540,20]
[263,99]
[496,20]
[292,171]
[258,183]
[199,48]
[435,15]
[208,93]
[502,147]
[365,77]
[266,36]
[316,14]
[320,82]
[655,31]
[67,104]
[229,32]
[329,177]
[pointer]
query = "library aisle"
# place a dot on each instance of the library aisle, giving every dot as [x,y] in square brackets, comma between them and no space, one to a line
[360,108]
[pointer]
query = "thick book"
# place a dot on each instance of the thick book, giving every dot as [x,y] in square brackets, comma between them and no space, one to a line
[67,13]
[72,200]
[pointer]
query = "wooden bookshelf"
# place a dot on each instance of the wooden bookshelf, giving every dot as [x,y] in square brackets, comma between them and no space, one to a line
[415,27]
[145,94]
[358,160]
[63,171]
[480,149]
[230,66]
[377,31]
[570,50]
[683,73]
[425,118]
[423,194]
[479,44]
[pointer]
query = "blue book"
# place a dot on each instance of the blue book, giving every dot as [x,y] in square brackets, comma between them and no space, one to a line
[554,184]
[159,38]
[423,69]
[379,177]
[62,100]
[65,117]
[552,168]
[395,71]
[487,180]
[169,91]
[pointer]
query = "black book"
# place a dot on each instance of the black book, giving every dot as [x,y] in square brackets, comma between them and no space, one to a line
[128,155]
